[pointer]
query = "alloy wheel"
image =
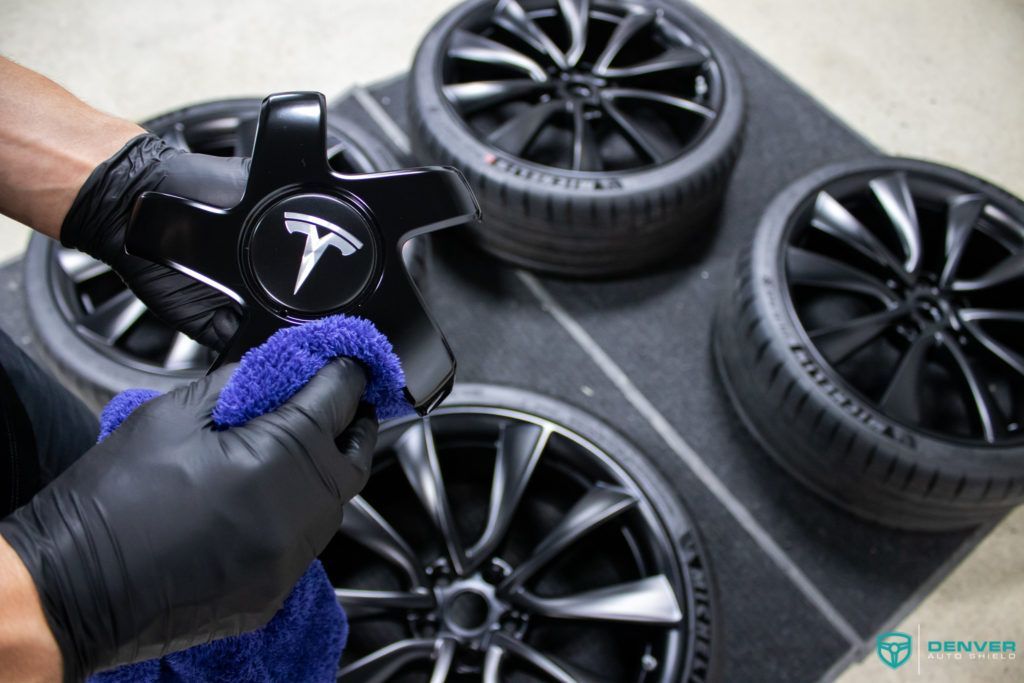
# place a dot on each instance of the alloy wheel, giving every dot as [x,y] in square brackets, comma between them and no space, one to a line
[910,289]
[579,85]
[493,544]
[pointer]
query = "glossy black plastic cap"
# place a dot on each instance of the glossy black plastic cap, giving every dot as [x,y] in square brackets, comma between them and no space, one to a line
[305,242]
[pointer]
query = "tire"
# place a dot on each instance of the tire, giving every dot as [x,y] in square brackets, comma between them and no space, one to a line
[917,454]
[464,433]
[97,369]
[583,223]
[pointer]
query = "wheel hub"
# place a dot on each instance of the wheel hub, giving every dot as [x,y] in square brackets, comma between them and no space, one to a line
[469,609]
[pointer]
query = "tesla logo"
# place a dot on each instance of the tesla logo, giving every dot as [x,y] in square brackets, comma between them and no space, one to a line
[316,245]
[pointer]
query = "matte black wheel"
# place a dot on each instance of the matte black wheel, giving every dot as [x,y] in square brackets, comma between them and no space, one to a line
[598,136]
[875,340]
[97,335]
[509,537]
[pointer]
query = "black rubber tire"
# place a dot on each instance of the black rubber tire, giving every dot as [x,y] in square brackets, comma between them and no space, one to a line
[96,376]
[826,436]
[556,221]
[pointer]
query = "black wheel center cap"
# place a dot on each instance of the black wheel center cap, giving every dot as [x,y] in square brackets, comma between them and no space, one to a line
[304,242]
[312,254]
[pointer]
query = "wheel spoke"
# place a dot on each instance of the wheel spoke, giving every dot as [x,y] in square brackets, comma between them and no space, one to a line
[1010,268]
[984,404]
[838,342]
[511,16]
[645,601]
[475,48]
[814,270]
[364,524]
[79,266]
[477,95]
[832,218]
[492,664]
[444,655]
[681,57]
[979,314]
[185,353]
[115,316]
[585,154]
[516,134]
[893,194]
[660,98]
[417,454]
[972,319]
[519,450]
[628,28]
[597,507]
[364,603]
[650,146]
[555,670]
[962,215]
[902,398]
[576,14]
[382,665]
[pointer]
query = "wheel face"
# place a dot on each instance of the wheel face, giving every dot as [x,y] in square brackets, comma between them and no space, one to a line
[497,544]
[581,86]
[909,287]
[598,136]
[104,316]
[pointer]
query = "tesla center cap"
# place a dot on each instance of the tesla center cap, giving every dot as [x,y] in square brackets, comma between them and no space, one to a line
[312,254]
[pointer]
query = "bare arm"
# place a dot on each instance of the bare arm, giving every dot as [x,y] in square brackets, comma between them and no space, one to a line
[28,651]
[50,141]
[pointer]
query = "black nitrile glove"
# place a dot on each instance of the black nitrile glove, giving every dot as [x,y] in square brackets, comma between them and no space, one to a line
[171,533]
[98,220]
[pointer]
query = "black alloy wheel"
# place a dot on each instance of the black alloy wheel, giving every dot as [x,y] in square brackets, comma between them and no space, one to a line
[509,537]
[96,334]
[572,107]
[598,135]
[891,291]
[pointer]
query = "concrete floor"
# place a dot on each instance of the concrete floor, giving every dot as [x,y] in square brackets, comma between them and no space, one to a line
[938,79]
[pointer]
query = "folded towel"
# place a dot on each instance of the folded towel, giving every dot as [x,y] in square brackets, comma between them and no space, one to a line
[304,640]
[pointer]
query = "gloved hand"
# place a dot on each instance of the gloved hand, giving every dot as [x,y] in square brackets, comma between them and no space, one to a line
[98,220]
[172,533]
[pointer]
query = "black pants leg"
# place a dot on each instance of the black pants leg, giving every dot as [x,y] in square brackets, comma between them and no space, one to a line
[43,427]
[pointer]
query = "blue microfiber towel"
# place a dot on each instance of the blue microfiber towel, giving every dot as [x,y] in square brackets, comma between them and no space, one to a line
[304,640]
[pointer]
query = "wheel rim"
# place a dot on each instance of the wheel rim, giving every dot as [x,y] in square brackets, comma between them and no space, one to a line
[908,289]
[513,602]
[578,85]
[100,308]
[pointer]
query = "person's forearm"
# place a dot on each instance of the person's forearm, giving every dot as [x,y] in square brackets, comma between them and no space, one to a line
[28,651]
[50,141]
